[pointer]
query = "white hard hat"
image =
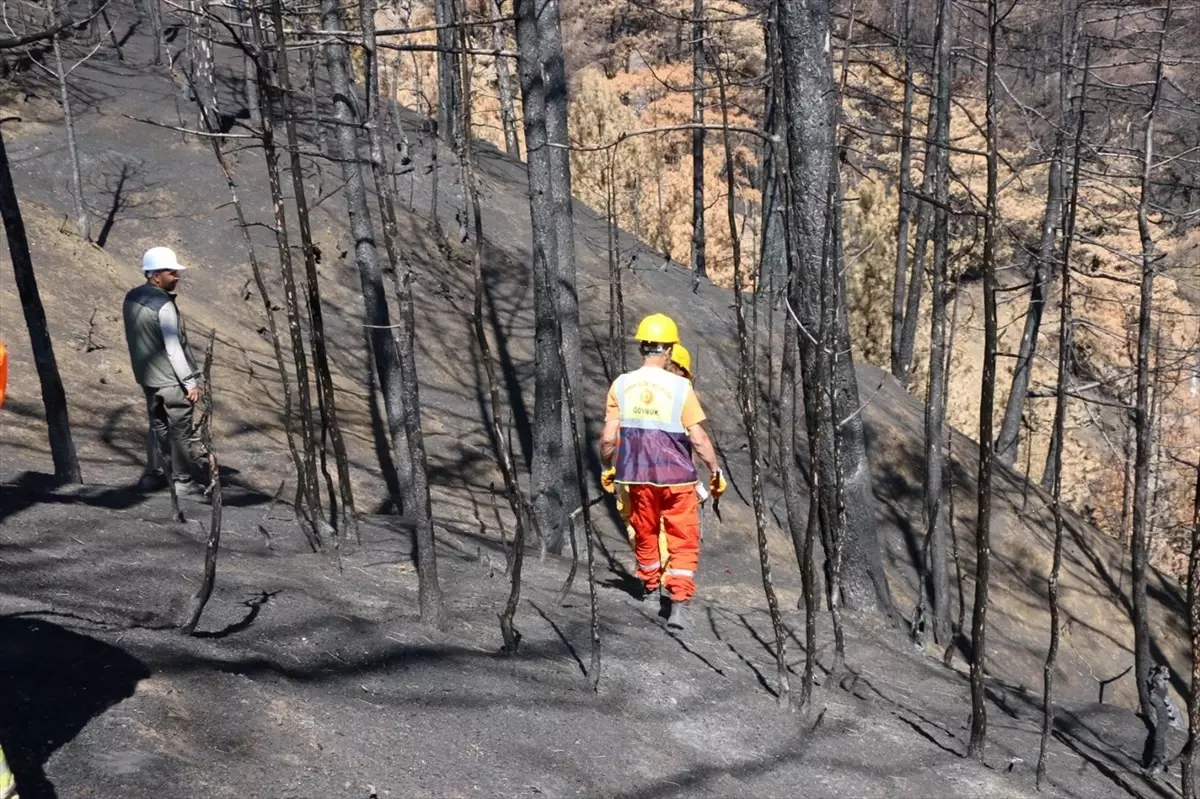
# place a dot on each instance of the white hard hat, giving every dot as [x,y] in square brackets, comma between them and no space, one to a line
[158,259]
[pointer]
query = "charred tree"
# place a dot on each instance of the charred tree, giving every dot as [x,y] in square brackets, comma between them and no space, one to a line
[450,86]
[54,397]
[1060,415]
[308,490]
[698,259]
[543,87]
[212,547]
[327,400]
[1193,697]
[847,499]
[399,395]
[936,578]
[904,201]
[508,113]
[83,222]
[1143,417]
[987,396]
[748,393]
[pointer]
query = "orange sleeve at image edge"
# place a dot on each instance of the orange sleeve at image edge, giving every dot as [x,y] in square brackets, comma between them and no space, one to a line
[692,414]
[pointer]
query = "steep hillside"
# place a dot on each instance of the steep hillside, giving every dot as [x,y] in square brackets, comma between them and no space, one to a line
[336,686]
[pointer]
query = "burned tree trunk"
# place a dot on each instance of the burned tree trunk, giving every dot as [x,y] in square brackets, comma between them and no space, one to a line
[1060,415]
[450,86]
[417,504]
[204,591]
[983,524]
[804,33]
[698,236]
[54,398]
[399,396]
[748,392]
[508,113]
[935,567]
[307,486]
[1193,697]
[83,222]
[547,479]
[1143,418]
[327,404]
[904,201]
[1014,410]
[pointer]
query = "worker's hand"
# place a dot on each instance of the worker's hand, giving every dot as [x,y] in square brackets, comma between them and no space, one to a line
[716,484]
[608,480]
[193,395]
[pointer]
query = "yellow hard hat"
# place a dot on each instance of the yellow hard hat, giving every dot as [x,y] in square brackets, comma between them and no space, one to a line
[681,358]
[658,329]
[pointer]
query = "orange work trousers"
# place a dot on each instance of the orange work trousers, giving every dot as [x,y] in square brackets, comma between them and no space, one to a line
[677,510]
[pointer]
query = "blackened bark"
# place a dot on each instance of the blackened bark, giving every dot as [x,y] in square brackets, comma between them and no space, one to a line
[1193,697]
[307,486]
[983,525]
[83,223]
[261,284]
[1060,415]
[450,86]
[1143,418]
[904,201]
[54,397]
[809,111]
[935,407]
[403,418]
[508,114]
[616,297]
[213,545]
[1010,427]
[698,236]
[562,266]
[547,473]
[327,400]
[748,392]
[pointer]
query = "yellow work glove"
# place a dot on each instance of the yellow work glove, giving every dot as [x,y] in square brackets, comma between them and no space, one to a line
[608,480]
[716,484]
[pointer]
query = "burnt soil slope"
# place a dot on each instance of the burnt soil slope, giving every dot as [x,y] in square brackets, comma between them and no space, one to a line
[312,677]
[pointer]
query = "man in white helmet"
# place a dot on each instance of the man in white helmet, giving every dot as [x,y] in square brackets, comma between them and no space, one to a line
[164,367]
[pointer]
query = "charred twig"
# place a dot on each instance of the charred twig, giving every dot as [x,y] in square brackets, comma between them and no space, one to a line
[201,597]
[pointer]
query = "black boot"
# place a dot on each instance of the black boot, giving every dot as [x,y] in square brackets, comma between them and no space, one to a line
[679,618]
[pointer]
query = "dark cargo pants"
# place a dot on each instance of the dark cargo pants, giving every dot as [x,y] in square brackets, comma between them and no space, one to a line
[172,431]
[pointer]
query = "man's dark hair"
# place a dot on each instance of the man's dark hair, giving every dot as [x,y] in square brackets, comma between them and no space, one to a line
[648,348]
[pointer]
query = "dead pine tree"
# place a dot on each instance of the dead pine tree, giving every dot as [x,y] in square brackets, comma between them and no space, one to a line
[748,395]
[987,397]
[204,591]
[935,580]
[1193,697]
[508,114]
[83,222]
[54,397]
[395,364]
[326,399]
[308,491]
[904,201]
[810,120]
[517,502]
[698,257]
[1143,417]
[1060,411]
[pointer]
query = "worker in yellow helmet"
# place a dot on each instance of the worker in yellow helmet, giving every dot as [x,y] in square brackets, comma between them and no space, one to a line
[681,364]
[656,420]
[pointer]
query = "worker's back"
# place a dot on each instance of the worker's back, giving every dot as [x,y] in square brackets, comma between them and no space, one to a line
[656,408]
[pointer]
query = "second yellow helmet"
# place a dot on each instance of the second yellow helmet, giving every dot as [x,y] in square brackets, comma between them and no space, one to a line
[681,358]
